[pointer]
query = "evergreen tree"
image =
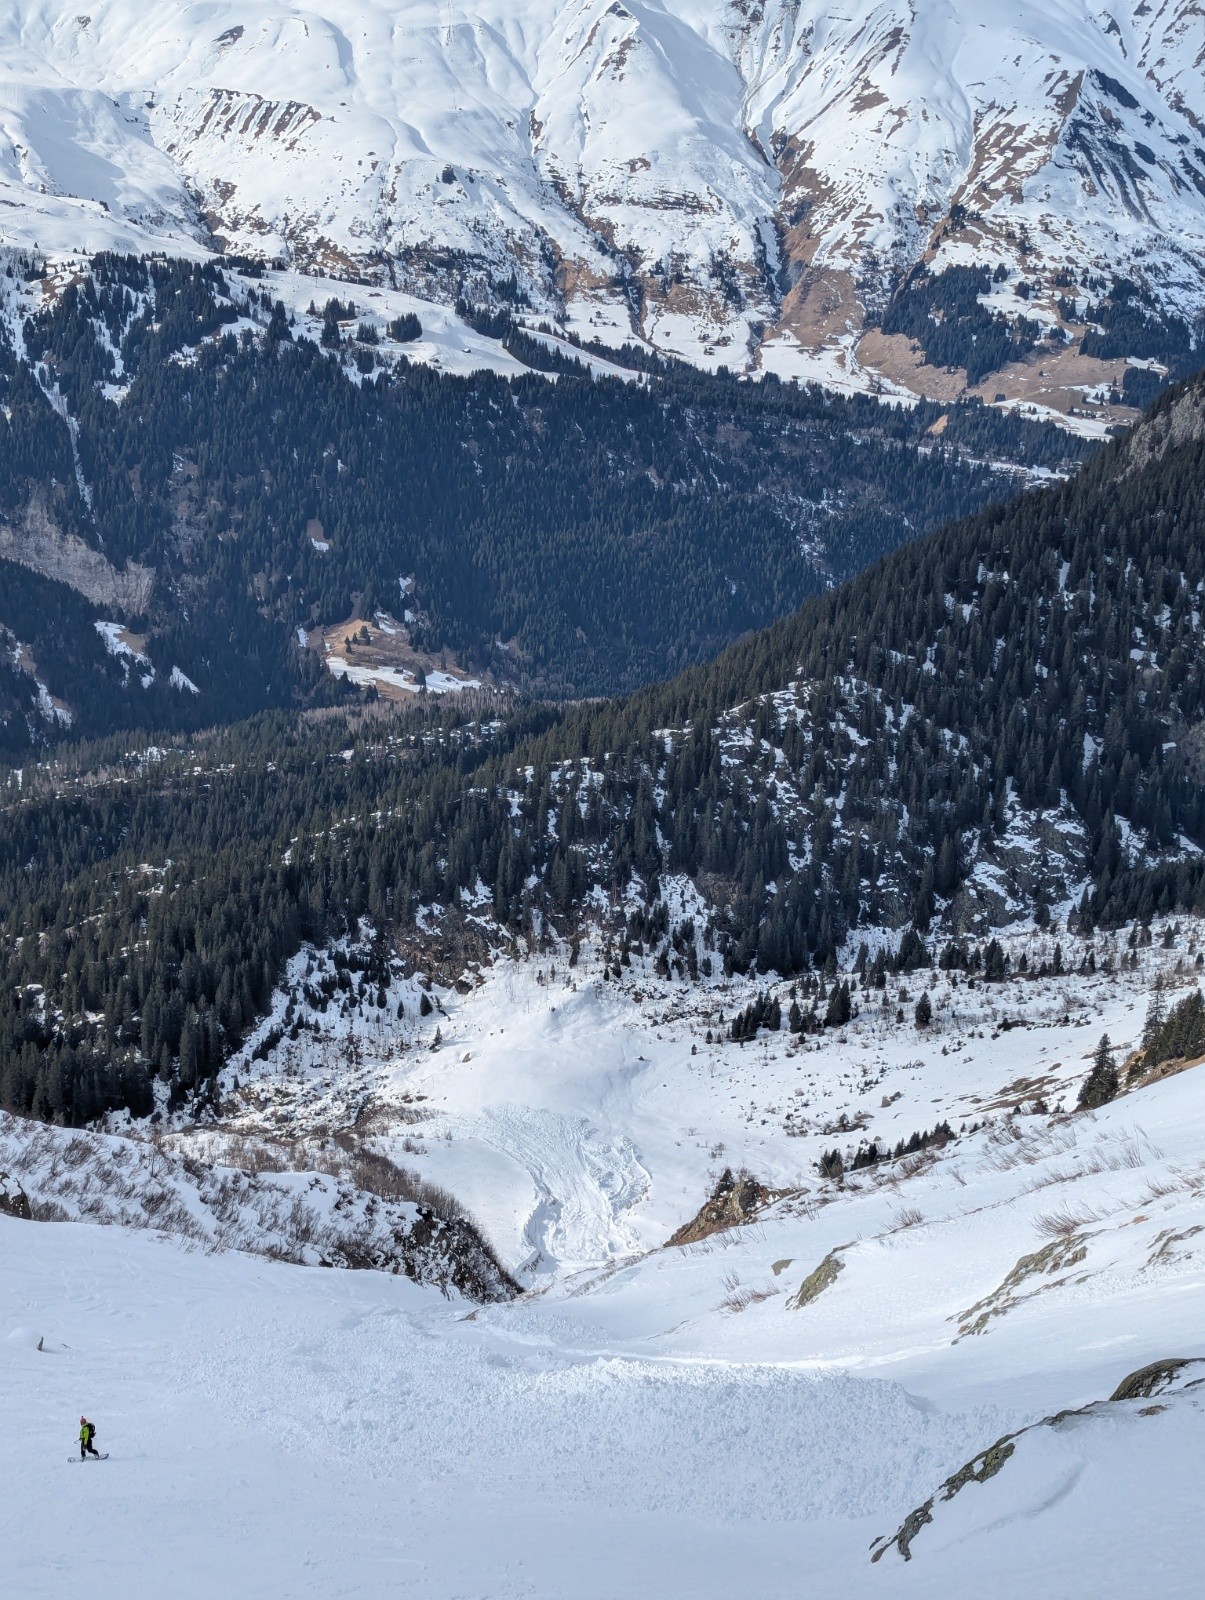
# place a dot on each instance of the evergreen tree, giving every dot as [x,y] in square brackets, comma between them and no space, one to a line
[1100,1086]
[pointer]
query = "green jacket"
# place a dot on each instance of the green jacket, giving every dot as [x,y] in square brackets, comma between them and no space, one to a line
[85,1433]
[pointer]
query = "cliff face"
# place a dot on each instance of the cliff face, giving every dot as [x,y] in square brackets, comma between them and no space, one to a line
[37,542]
[1179,420]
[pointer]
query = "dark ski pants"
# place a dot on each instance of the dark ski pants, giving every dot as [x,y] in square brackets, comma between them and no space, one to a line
[88,1449]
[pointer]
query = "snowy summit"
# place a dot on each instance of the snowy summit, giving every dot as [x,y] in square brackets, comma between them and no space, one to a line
[739,182]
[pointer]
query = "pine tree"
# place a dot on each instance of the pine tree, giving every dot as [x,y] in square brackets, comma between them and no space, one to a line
[1155,1016]
[1100,1086]
[839,1008]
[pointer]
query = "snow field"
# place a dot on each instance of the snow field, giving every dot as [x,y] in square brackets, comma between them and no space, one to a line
[333,1432]
[646,1420]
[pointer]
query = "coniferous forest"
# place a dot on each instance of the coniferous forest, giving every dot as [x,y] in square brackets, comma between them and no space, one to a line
[1003,714]
[569,537]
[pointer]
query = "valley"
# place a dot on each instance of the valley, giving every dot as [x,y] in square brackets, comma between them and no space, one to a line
[602,837]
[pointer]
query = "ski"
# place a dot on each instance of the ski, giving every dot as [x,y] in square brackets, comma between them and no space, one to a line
[103,1456]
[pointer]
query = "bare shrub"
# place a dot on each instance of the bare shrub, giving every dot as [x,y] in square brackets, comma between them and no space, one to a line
[48,1211]
[909,1217]
[436,1198]
[300,1226]
[1065,1222]
[256,1157]
[376,1174]
[370,1170]
[357,1249]
[738,1296]
[155,1201]
[223,1197]
[76,1152]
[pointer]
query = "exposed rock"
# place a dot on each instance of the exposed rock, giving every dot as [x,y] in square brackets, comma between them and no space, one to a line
[1058,1256]
[1166,1241]
[1179,419]
[735,1199]
[978,1470]
[817,1282]
[37,542]
[1149,1380]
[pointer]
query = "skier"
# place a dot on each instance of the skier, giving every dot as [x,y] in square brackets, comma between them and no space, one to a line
[87,1432]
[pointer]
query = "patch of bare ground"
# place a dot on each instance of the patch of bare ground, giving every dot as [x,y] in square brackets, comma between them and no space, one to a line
[895,357]
[382,647]
[822,305]
[1136,1075]
[1019,1091]
[1059,380]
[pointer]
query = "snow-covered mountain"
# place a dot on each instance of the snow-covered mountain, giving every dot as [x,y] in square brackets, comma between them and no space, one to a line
[742,181]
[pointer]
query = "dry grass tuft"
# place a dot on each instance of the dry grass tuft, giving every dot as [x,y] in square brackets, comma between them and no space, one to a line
[1160,1189]
[1065,1222]
[739,1297]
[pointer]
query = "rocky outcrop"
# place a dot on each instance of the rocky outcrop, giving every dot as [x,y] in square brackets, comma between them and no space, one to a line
[1057,1257]
[1179,419]
[1151,1380]
[734,1200]
[1157,1378]
[814,1285]
[36,541]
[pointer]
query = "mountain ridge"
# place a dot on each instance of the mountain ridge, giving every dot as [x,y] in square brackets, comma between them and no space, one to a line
[747,182]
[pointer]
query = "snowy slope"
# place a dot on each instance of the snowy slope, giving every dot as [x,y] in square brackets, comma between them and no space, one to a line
[651,1420]
[714,175]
